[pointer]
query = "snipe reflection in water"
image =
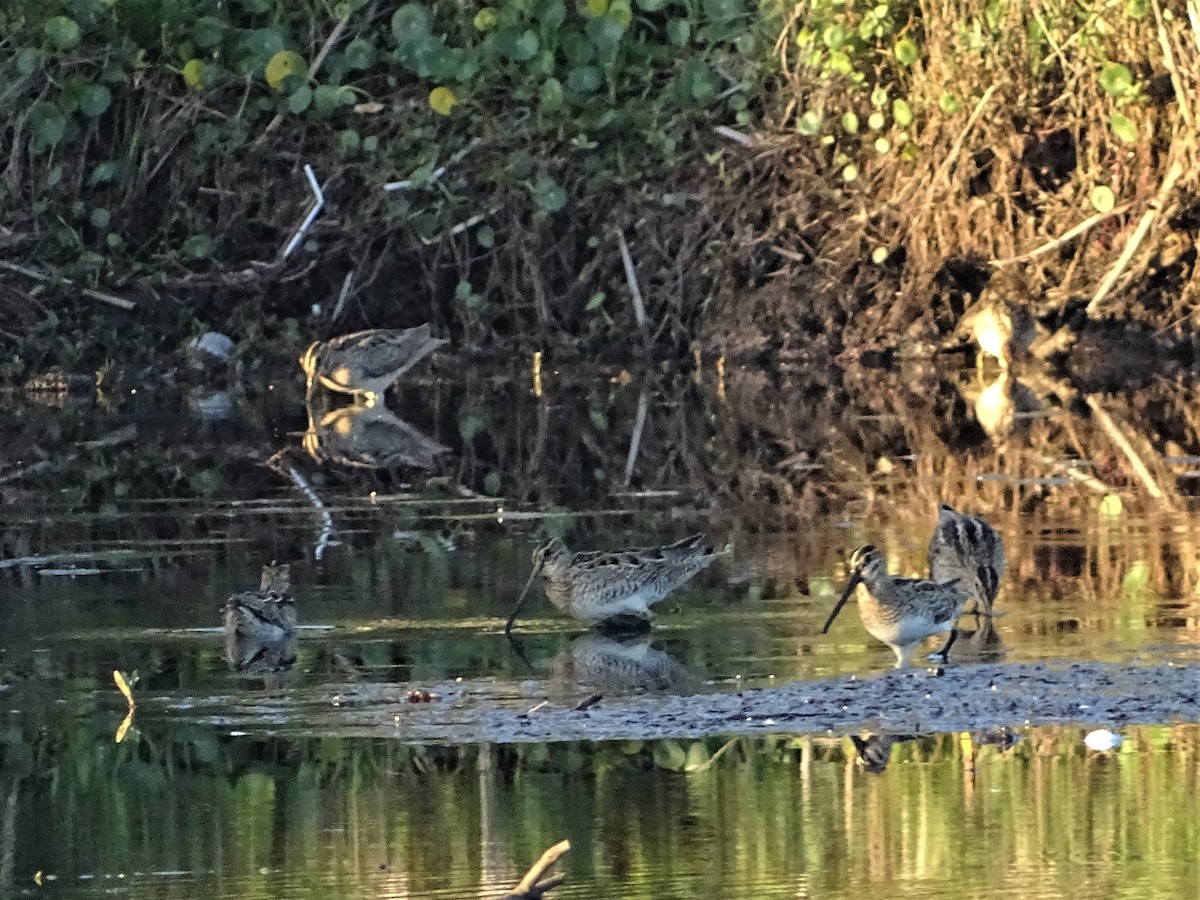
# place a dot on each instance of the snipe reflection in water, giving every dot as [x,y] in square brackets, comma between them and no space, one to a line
[620,664]
[367,437]
[766,818]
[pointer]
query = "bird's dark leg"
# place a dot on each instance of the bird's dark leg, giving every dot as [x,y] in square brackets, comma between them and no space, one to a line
[944,653]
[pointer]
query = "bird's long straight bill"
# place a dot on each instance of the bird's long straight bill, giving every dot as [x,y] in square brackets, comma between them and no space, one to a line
[520,601]
[850,586]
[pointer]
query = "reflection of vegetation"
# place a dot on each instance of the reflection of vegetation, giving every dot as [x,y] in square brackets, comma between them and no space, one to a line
[356,816]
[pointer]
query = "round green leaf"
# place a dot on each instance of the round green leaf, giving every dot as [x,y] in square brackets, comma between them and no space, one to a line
[47,125]
[850,122]
[948,104]
[907,51]
[551,95]
[198,246]
[1123,127]
[359,53]
[62,32]
[850,172]
[679,32]
[840,63]
[208,31]
[1116,80]
[99,218]
[901,113]
[882,145]
[875,121]
[29,61]
[553,13]
[1103,199]
[809,123]
[1111,506]
[584,79]
[879,96]
[548,195]
[651,5]
[411,21]
[300,99]
[95,100]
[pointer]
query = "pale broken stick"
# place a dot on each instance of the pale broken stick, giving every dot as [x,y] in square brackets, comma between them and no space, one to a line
[534,886]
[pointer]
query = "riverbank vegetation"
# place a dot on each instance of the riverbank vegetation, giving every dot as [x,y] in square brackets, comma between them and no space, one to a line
[589,176]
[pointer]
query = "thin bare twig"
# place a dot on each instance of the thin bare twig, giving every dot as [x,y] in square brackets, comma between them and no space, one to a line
[536,881]
[639,305]
[110,299]
[410,183]
[1173,174]
[318,203]
[325,540]
[635,442]
[1089,222]
[1115,434]
[347,283]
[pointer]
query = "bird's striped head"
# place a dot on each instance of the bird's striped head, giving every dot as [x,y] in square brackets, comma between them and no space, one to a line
[276,578]
[867,560]
[550,552]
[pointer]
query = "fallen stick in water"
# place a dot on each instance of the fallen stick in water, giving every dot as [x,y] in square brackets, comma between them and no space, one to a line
[533,886]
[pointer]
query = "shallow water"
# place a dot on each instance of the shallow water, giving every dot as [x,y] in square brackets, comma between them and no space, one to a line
[233,784]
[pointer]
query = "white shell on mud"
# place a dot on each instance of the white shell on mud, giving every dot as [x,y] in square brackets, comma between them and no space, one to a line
[214,344]
[1102,740]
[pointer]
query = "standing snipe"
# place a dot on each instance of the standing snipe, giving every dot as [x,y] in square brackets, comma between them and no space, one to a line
[366,363]
[1001,330]
[967,549]
[260,626]
[900,612]
[266,614]
[615,588]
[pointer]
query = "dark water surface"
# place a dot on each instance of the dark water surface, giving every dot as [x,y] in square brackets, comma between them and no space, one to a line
[231,784]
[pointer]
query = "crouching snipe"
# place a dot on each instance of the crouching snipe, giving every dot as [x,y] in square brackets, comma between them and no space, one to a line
[900,612]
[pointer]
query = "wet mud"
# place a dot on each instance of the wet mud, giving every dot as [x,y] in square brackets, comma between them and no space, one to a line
[914,700]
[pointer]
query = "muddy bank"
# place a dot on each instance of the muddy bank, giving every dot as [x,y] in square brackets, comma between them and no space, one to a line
[911,701]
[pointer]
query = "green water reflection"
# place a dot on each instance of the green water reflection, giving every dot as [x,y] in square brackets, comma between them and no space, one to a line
[181,814]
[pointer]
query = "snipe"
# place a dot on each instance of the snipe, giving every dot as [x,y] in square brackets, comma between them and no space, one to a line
[900,612]
[368,437]
[614,588]
[268,613]
[1001,329]
[967,549]
[366,363]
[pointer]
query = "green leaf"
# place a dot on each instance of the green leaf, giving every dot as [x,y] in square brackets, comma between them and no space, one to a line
[551,95]
[492,483]
[95,100]
[517,44]
[901,113]
[584,79]
[1103,199]
[651,5]
[907,51]
[552,13]
[679,32]
[62,32]
[410,21]
[198,246]
[100,218]
[809,123]
[879,96]
[840,63]
[605,33]
[486,236]
[850,172]
[850,122]
[1123,127]
[949,104]
[834,36]
[876,121]
[47,125]
[300,99]
[359,53]
[549,196]
[1116,80]
[207,32]
[595,301]
[724,11]
[1111,506]
[29,61]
